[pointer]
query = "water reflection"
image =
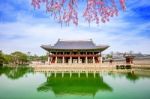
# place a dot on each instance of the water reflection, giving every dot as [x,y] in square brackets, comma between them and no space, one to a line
[132,76]
[14,72]
[103,85]
[82,85]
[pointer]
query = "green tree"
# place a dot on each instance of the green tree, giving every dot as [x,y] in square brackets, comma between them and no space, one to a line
[19,57]
[43,58]
[1,58]
[8,59]
[108,56]
[34,58]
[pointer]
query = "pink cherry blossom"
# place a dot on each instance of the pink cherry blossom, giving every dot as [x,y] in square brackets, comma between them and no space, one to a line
[65,11]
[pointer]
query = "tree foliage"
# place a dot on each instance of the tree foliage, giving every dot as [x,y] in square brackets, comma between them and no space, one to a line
[8,59]
[109,56]
[1,58]
[19,57]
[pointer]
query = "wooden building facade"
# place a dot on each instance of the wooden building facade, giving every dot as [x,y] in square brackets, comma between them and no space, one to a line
[74,52]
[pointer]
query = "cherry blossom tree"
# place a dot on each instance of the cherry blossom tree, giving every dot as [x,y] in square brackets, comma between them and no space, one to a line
[65,11]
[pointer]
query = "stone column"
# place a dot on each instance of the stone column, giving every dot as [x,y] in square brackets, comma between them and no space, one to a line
[86,61]
[56,60]
[93,60]
[70,60]
[78,59]
[63,60]
[49,59]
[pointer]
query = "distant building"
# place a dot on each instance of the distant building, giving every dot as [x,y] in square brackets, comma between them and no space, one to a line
[83,51]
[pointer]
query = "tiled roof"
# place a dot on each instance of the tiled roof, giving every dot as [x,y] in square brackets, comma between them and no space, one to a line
[88,44]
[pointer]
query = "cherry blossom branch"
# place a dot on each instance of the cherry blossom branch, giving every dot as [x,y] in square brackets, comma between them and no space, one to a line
[65,11]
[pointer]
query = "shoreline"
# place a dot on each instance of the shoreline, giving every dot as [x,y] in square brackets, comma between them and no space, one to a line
[56,69]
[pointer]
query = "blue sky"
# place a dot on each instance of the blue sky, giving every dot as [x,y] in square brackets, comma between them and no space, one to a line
[24,29]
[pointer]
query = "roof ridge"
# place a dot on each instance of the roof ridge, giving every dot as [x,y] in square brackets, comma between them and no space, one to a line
[75,40]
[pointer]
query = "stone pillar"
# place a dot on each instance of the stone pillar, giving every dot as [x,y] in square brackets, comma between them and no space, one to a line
[49,58]
[78,59]
[86,61]
[70,60]
[56,59]
[63,60]
[93,60]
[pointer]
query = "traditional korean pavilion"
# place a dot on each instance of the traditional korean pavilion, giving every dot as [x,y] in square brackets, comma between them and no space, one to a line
[81,51]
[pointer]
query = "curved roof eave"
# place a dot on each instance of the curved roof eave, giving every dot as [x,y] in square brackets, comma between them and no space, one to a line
[50,48]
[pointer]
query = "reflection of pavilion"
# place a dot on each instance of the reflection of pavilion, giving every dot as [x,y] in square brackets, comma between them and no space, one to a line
[74,85]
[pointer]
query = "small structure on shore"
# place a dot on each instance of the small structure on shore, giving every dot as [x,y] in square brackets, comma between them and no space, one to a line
[83,51]
[129,58]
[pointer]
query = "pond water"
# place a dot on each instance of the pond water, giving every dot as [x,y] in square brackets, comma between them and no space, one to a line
[23,83]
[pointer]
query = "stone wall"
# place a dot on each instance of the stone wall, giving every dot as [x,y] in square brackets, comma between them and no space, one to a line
[136,61]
